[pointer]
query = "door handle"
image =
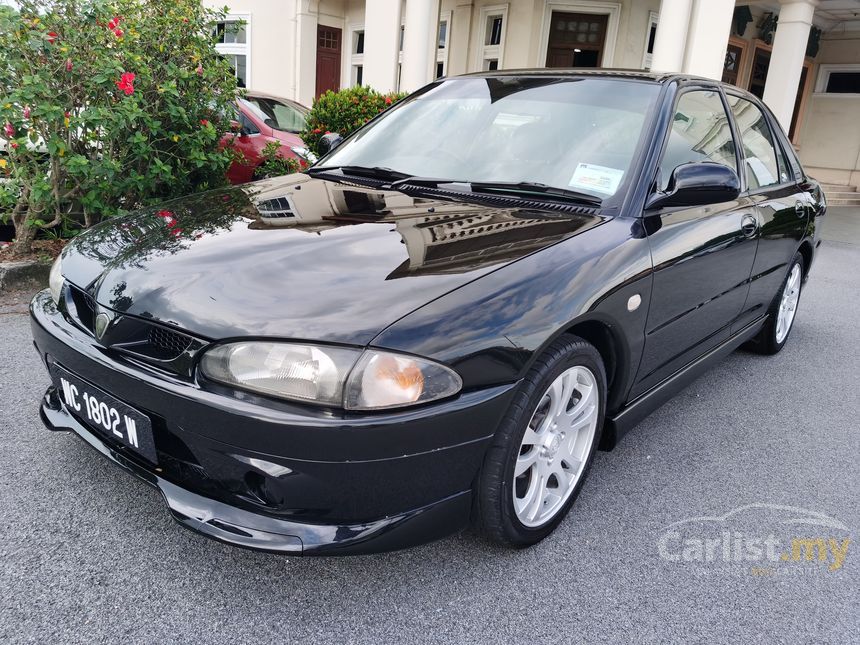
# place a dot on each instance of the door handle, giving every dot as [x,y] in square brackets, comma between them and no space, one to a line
[749,225]
[800,209]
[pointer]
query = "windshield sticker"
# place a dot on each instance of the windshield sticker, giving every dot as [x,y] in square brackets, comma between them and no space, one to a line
[601,179]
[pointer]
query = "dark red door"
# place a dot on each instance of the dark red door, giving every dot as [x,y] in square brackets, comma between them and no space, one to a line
[328,59]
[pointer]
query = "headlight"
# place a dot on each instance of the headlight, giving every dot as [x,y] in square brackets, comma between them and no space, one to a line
[55,279]
[300,372]
[336,376]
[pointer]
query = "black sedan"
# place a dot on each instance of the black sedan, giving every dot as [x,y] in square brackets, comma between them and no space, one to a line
[443,319]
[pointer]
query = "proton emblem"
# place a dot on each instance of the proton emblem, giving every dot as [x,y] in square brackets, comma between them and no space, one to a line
[101,324]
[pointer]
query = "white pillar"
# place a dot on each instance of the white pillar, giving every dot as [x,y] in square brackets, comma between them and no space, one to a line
[671,35]
[381,44]
[707,37]
[786,60]
[420,41]
[458,38]
[306,49]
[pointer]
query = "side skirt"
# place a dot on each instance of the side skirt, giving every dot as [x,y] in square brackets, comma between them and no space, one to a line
[617,426]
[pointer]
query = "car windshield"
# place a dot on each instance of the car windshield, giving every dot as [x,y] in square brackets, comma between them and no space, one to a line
[276,114]
[579,134]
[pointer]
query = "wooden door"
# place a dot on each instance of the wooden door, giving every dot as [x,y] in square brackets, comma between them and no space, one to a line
[328,59]
[576,39]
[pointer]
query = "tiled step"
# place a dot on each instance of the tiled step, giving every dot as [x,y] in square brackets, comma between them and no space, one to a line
[829,189]
[844,202]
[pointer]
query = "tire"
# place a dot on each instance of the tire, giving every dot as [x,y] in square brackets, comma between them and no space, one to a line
[773,336]
[567,366]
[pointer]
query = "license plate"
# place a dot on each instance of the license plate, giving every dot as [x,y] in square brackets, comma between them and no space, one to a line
[105,414]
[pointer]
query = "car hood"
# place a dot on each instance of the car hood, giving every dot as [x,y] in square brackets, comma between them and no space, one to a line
[300,258]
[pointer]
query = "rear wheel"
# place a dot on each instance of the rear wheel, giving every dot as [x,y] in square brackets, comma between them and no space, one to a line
[773,336]
[545,445]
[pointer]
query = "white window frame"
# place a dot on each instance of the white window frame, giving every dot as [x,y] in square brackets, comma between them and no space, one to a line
[647,59]
[489,52]
[824,71]
[442,54]
[239,49]
[611,9]
[354,60]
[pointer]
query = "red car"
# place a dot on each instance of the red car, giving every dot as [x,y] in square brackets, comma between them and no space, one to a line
[261,120]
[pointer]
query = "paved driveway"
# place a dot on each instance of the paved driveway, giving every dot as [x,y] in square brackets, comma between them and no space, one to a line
[88,554]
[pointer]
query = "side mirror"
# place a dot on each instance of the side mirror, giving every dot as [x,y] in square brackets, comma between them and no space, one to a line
[238,128]
[304,153]
[329,142]
[698,184]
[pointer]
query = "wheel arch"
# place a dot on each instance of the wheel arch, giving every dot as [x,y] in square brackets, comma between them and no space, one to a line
[614,349]
[807,252]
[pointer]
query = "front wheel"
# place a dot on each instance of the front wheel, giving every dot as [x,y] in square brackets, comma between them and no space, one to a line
[774,335]
[544,446]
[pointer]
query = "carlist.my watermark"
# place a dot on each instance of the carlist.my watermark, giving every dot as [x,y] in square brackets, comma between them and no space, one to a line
[758,539]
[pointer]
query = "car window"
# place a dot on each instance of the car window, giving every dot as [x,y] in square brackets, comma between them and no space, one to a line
[763,167]
[248,125]
[573,133]
[276,114]
[700,132]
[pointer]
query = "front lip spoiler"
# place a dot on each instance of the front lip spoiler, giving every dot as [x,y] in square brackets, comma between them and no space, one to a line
[238,527]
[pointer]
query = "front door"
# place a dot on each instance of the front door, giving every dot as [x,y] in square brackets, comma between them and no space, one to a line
[576,39]
[328,59]
[702,256]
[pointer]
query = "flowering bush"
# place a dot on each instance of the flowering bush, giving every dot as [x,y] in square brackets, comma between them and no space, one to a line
[343,112]
[107,105]
[273,163]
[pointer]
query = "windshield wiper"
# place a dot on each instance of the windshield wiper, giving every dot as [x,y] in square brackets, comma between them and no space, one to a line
[375,172]
[526,187]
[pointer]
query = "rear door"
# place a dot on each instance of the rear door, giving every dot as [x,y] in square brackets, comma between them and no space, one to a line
[702,256]
[783,202]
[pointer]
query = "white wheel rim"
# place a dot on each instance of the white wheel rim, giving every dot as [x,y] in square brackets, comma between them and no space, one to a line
[788,304]
[556,446]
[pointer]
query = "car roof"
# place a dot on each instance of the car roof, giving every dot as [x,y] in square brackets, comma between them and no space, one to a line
[264,95]
[603,72]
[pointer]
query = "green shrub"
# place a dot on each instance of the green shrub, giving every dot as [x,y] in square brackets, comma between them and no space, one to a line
[274,164]
[344,112]
[108,105]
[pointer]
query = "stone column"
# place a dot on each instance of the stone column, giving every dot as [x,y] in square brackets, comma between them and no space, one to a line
[786,60]
[707,37]
[420,42]
[306,50]
[671,38]
[381,44]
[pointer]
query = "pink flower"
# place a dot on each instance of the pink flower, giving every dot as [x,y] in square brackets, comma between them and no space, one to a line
[14,145]
[204,122]
[113,23]
[52,37]
[126,83]
[199,69]
[176,232]
[9,130]
[26,112]
[118,33]
[69,65]
[387,100]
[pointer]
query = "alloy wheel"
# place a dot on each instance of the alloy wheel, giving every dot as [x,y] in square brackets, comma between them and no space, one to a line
[788,304]
[555,446]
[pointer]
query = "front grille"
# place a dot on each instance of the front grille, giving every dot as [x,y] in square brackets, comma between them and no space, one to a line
[82,309]
[171,343]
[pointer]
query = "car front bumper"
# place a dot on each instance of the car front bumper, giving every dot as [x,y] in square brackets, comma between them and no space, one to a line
[268,475]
